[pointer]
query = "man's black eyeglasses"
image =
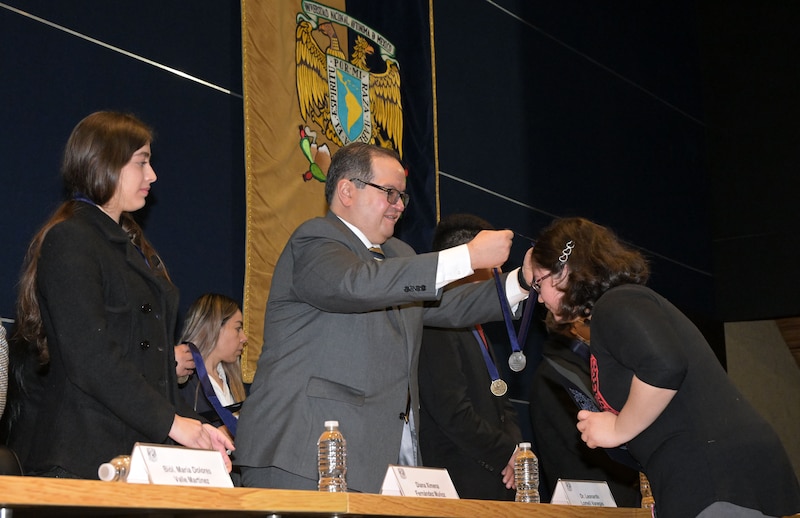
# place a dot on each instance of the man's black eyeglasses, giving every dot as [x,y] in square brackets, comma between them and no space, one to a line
[392,194]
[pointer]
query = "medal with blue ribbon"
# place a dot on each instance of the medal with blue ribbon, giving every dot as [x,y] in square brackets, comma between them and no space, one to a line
[517,360]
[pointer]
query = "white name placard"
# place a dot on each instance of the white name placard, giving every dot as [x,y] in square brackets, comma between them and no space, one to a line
[416,481]
[177,466]
[583,492]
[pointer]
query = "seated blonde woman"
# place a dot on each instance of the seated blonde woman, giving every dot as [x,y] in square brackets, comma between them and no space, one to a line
[213,325]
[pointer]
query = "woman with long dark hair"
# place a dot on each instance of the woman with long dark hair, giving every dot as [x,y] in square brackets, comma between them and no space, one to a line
[98,308]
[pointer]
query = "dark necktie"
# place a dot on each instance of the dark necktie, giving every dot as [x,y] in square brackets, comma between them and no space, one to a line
[377,253]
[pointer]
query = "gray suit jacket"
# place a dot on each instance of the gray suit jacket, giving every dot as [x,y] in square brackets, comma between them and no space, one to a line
[342,336]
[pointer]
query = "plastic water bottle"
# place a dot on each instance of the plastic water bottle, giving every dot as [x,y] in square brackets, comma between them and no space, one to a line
[115,470]
[648,502]
[332,459]
[526,474]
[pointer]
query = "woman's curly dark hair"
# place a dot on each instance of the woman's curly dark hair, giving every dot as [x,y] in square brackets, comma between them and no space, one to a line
[597,262]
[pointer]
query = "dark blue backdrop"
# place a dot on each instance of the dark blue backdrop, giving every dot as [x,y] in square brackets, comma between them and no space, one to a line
[614,111]
[51,79]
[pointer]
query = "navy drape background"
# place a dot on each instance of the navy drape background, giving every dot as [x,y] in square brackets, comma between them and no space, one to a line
[675,124]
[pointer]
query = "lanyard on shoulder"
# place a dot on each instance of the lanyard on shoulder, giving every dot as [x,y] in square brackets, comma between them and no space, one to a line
[226,415]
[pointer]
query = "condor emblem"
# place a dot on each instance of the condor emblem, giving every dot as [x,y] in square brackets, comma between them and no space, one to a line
[348,98]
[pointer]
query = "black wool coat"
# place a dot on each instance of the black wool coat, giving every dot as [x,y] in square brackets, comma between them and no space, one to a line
[110,326]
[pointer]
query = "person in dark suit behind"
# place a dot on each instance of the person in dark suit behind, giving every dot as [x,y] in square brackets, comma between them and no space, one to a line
[561,379]
[464,427]
[98,308]
[343,328]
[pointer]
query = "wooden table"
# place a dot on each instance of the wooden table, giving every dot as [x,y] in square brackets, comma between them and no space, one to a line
[23,497]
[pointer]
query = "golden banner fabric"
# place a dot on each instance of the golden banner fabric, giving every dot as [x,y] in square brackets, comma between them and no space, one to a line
[318,75]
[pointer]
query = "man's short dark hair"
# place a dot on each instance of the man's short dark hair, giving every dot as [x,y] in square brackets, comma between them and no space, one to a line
[354,161]
[457,229]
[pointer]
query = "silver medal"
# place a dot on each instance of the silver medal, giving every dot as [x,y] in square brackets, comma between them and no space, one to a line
[517,361]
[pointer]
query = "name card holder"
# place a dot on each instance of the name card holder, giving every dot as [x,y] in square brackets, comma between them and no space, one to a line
[416,481]
[177,466]
[588,493]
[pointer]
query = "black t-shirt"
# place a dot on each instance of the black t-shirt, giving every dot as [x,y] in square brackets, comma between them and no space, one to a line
[708,444]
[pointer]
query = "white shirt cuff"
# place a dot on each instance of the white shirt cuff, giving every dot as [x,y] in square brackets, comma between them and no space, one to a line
[454,264]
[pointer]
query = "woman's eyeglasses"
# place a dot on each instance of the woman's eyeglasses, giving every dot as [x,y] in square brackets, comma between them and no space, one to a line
[537,283]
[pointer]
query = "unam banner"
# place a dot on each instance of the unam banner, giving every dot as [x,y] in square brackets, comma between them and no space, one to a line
[319,75]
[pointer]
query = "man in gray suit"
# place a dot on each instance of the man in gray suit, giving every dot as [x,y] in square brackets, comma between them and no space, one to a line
[343,329]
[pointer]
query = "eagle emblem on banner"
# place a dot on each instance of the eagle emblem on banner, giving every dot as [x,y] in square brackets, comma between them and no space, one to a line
[345,98]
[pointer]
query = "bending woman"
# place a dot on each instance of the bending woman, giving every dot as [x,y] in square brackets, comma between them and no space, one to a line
[99,309]
[659,386]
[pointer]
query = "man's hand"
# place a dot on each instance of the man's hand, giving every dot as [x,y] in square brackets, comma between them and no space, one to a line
[490,248]
[527,267]
[508,472]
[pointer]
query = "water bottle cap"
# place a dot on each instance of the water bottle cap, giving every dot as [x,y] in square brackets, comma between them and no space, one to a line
[331,424]
[523,445]
[107,472]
